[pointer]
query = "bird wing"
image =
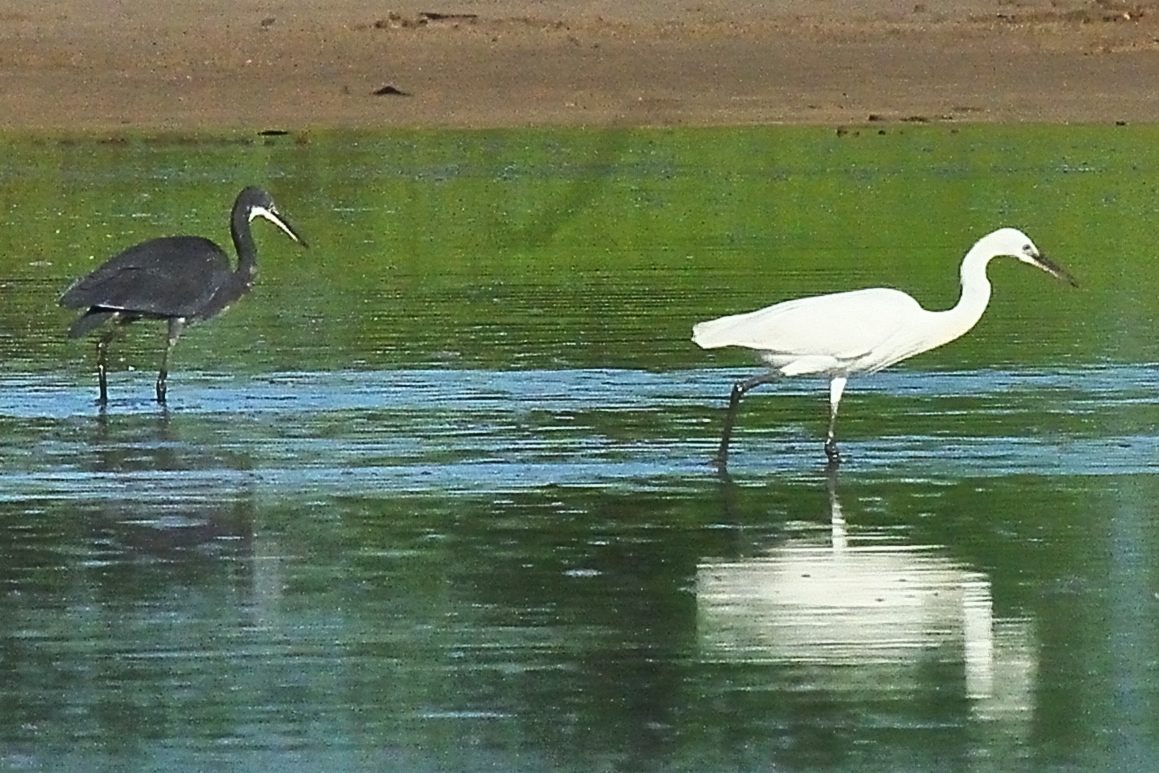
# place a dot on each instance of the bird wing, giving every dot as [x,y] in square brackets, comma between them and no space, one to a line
[172,276]
[822,333]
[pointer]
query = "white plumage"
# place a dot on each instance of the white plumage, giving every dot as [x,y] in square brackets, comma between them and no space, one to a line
[861,331]
[823,334]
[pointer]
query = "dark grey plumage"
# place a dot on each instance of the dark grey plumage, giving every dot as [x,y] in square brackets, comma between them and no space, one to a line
[180,279]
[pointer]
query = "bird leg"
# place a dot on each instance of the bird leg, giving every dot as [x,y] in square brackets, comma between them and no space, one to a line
[103,367]
[831,450]
[738,391]
[836,387]
[176,324]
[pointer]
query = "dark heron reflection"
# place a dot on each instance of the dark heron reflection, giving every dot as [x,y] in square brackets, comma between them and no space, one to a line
[179,279]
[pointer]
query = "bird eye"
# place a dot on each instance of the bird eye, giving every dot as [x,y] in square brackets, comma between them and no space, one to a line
[1027,249]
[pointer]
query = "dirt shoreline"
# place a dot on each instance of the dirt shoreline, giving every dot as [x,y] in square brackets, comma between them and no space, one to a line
[89,66]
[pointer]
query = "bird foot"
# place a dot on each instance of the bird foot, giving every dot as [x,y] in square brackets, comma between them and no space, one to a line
[832,452]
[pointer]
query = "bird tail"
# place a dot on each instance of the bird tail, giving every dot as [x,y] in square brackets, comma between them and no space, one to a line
[714,333]
[89,321]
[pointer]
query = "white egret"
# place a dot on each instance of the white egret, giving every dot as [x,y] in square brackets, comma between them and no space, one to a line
[862,331]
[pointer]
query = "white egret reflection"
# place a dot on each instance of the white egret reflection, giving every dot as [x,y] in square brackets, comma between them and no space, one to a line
[858,611]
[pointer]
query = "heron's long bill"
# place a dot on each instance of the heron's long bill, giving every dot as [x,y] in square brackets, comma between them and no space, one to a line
[278,219]
[1055,270]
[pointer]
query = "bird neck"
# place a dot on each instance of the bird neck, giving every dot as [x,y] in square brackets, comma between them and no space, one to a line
[243,242]
[960,319]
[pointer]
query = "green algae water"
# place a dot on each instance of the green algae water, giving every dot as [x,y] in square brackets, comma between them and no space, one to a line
[436,495]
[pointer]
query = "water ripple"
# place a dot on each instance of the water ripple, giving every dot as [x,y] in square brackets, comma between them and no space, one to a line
[487,430]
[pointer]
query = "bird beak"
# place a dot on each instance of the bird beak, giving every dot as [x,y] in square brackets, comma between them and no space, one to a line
[278,219]
[289,229]
[1055,270]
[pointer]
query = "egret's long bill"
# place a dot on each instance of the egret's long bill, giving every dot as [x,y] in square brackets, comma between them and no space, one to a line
[279,220]
[1055,270]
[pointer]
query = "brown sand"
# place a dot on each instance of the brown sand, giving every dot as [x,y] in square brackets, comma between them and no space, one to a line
[117,65]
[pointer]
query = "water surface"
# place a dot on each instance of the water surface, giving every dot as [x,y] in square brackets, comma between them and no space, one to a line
[436,496]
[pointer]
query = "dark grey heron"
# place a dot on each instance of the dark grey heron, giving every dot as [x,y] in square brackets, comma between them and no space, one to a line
[179,279]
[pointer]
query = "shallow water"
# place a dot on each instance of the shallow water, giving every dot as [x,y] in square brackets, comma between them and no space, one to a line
[436,496]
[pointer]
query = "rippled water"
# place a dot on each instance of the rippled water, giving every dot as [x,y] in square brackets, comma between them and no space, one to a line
[437,496]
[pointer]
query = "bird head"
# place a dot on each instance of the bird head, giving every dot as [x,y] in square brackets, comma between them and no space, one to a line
[258,203]
[1012,242]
